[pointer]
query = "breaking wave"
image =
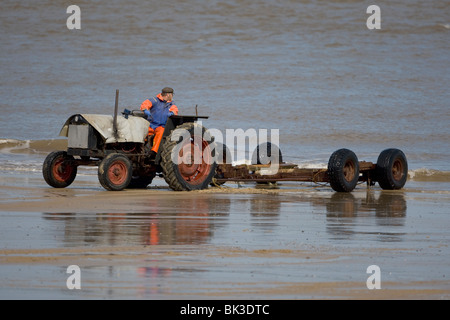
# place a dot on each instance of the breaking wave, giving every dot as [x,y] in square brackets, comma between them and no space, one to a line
[32,146]
[18,156]
[424,174]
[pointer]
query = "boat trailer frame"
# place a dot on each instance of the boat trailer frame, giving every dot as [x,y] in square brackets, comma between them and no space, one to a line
[343,173]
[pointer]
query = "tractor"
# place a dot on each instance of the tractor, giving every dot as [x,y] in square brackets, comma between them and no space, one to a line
[120,147]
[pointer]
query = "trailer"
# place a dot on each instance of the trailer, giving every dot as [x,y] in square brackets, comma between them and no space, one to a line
[343,173]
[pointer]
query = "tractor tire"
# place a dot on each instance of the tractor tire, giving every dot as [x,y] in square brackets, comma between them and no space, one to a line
[59,170]
[343,170]
[114,172]
[266,152]
[187,165]
[392,169]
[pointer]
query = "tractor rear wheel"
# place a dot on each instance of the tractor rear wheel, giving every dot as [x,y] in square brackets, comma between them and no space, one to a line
[114,172]
[343,170]
[59,169]
[187,159]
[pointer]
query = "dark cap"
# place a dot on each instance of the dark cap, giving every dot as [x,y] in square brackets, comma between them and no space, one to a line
[167,90]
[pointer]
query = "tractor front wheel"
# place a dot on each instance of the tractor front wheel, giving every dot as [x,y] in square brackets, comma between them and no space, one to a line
[59,169]
[115,172]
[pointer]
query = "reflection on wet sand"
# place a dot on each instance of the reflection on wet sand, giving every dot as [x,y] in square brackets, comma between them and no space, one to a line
[191,224]
[347,215]
[195,221]
[386,205]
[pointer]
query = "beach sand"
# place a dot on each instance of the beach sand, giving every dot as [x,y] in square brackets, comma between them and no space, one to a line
[237,242]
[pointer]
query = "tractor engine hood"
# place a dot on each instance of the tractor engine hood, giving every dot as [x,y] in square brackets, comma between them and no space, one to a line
[131,129]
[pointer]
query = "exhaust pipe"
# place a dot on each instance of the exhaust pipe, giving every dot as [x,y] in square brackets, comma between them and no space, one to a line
[116,109]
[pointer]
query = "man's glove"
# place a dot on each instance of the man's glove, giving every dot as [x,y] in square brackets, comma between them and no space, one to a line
[171,113]
[148,114]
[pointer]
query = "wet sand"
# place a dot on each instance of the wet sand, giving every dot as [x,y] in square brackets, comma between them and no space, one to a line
[296,241]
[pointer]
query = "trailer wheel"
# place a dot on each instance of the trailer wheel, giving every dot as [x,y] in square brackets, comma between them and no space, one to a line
[267,152]
[392,169]
[187,158]
[223,156]
[59,170]
[343,170]
[114,172]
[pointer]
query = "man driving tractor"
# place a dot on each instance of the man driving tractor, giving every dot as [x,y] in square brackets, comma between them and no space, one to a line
[157,110]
